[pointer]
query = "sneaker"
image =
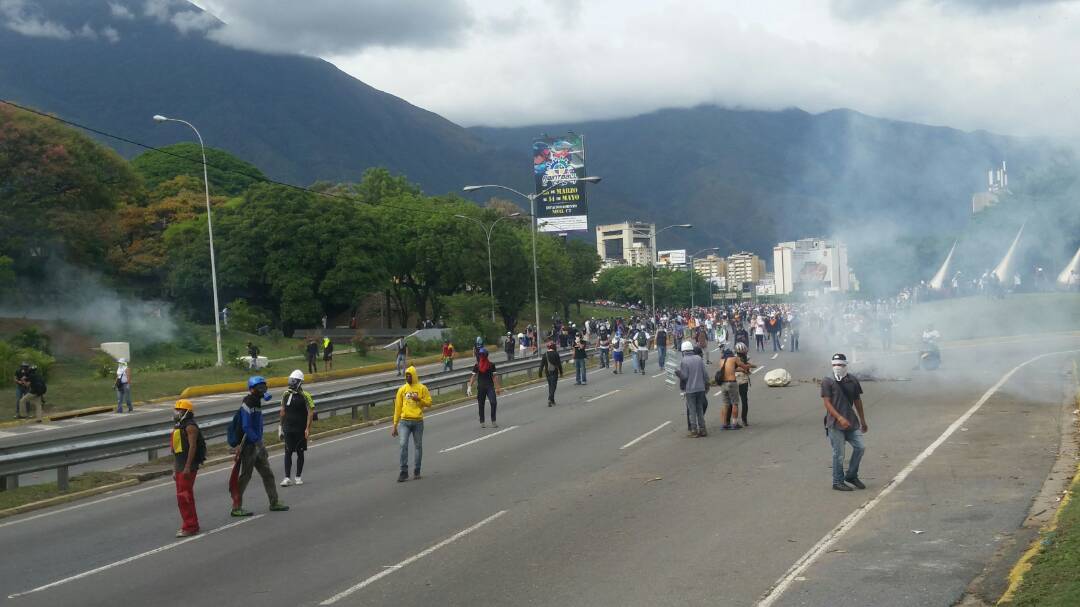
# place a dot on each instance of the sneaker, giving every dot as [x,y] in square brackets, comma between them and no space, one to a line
[703,433]
[298,481]
[856,482]
[842,487]
[691,434]
[494,425]
[286,482]
[183,533]
[404,476]
[415,474]
[736,426]
[726,427]
[483,425]
[239,512]
[278,507]
[551,402]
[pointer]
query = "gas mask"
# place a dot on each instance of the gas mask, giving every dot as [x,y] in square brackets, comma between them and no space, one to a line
[839,372]
[178,416]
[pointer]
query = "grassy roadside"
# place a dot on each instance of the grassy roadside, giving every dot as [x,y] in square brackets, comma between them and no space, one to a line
[325,425]
[1053,579]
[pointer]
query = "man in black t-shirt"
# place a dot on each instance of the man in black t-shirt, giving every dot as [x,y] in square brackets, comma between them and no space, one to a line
[487,385]
[297,413]
[551,368]
[22,386]
[845,421]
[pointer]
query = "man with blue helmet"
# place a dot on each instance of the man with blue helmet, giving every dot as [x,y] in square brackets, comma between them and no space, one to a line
[250,452]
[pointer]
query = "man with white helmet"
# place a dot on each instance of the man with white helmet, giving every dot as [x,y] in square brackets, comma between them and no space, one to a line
[297,413]
[693,374]
[123,385]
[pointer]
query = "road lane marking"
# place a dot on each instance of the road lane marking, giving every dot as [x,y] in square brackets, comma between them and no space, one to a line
[824,544]
[643,436]
[758,369]
[659,374]
[605,394]
[775,355]
[136,557]
[387,570]
[476,440]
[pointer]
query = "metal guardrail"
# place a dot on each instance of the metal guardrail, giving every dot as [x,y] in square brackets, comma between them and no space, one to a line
[61,454]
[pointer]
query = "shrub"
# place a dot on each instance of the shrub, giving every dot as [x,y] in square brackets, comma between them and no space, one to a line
[246,317]
[422,347]
[492,332]
[466,308]
[197,363]
[32,338]
[463,337]
[11,357]
[104,366]
[362,343]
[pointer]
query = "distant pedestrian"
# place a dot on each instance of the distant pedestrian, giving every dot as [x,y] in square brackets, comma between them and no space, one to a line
[605,350]
[328,353]
[447,356]
[618,352]
[324,322]
[250,451]
[759,333]
[509,346]
[189,452]
[123,385]
[311,353]
[409,404]
[661,345]
[551,368]
[402,355]
[692,372]
[487,386]
[845,422]
[730,365]
[742,378]
[639,343]
[794,323]
[22,387]
[253,356]
[297,413]
[581,353]
[34,389]
[225,317]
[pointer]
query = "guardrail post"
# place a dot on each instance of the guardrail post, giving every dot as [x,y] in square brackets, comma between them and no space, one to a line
[151,455]
[367,412]
[62,478]
[354,411]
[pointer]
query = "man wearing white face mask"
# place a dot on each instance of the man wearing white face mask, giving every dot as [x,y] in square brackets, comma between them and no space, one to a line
[845,421]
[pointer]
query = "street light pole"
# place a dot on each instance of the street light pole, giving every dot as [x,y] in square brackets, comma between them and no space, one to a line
[532,212]
[487,234]
[653,258]
[692,272]
[210,231]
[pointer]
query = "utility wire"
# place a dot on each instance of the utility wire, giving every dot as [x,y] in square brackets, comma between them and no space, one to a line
[256,178]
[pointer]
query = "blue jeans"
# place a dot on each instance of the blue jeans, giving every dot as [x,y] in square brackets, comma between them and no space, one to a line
[415,429]
[400,363]
[663,356]
[775,341]
[695,411]
[794,341]
[579,370]
[837,437]
[123,394]
[605,357]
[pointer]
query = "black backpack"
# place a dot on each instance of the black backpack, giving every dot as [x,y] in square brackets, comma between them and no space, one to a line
[235,433]
[200,446]
[37,384]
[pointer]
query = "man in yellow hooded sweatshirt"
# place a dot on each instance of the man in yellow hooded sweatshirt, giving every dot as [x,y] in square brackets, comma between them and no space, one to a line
[409,404]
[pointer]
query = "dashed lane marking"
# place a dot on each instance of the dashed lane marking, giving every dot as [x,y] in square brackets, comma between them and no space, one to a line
[476,440]
[644,436]
[605,394]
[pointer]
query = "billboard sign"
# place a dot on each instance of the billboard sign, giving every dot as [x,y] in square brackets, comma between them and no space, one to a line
[673,257]
[812,269]
[558,163]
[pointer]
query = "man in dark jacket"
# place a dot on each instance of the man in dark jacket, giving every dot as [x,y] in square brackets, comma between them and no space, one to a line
[251,454]
[551,367]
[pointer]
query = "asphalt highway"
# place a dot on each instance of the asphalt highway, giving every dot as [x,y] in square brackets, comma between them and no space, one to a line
[601,500]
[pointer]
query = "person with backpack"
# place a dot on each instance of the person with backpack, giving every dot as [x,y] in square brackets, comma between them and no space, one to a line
[123,385]
[328,353]
[297,413]
[245,436]
[487,386]
[189,452]
[640,345]
[661,345]
[618,353]
[34,392]
[551,368]
[22,386]
[409,404]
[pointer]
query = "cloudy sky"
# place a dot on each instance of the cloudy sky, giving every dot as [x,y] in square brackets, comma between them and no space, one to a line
[1003,65]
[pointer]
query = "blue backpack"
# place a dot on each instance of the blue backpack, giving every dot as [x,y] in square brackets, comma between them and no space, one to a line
[235,432]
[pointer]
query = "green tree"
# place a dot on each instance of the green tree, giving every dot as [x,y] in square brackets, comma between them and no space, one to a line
[229,175]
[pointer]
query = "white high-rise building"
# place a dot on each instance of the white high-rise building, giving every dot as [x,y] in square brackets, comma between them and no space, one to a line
[628,243]
[811,265]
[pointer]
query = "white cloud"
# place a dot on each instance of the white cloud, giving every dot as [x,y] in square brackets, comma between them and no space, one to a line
[193,21]
[19,17]
[321,27]
[109,33]
[160,10]
[943,62]
[120,11]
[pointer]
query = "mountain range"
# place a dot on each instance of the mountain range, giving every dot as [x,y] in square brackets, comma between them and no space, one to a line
[746,179]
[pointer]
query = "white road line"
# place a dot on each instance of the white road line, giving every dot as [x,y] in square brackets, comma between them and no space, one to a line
[659,374]
[135,558]
[775,355]
[604,395]
[825,543]
[758,369]
[412,559]
[635,441]
[476,440]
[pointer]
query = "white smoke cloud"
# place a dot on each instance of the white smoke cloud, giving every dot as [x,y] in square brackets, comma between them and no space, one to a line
[20,17]
[120,11]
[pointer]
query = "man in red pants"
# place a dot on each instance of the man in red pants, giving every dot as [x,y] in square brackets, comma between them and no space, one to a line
[189,451]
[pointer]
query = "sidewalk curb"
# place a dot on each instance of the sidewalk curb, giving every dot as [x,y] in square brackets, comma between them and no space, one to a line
[69,497]
[1024,564]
